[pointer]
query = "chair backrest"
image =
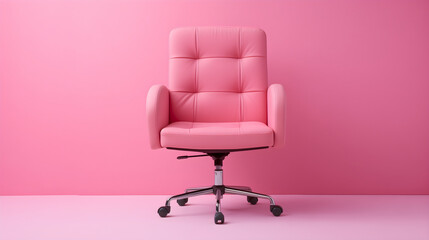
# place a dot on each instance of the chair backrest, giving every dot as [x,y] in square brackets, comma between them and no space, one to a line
[218,74]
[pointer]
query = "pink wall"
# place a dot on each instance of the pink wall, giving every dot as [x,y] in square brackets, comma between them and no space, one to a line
[74,76]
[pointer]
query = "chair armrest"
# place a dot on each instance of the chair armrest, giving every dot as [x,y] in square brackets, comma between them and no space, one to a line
[276,100]
[157,113]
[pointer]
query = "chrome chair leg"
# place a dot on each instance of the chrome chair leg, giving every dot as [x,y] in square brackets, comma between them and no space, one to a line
[195,189]
[245,188]
[235,191]
[199,192]
[219,217]
[275,209]
[218,208]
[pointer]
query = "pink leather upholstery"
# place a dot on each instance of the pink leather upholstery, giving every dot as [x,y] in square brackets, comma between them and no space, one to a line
[218,74]
[157,107]
[217,92]
[276,113]
[226,135]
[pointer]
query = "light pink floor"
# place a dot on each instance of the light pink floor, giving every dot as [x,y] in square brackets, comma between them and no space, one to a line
[135,217]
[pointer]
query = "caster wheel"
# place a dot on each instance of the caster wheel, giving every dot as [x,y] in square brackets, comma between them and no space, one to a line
[219,218]
[182,202]
[163,211]
[276,210]
[252,200]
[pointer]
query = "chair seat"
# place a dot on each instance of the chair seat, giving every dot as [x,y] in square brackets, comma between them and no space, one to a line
[218,135]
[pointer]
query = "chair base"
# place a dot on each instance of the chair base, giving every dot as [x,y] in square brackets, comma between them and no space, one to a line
[219,190]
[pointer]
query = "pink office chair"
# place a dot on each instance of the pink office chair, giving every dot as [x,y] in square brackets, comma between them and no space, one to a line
[217,102]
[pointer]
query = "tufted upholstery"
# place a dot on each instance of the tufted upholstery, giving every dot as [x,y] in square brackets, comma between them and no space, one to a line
[218,74]
[218,96]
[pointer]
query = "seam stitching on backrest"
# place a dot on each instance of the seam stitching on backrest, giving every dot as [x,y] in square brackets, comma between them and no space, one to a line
[240,77]
[196,77]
